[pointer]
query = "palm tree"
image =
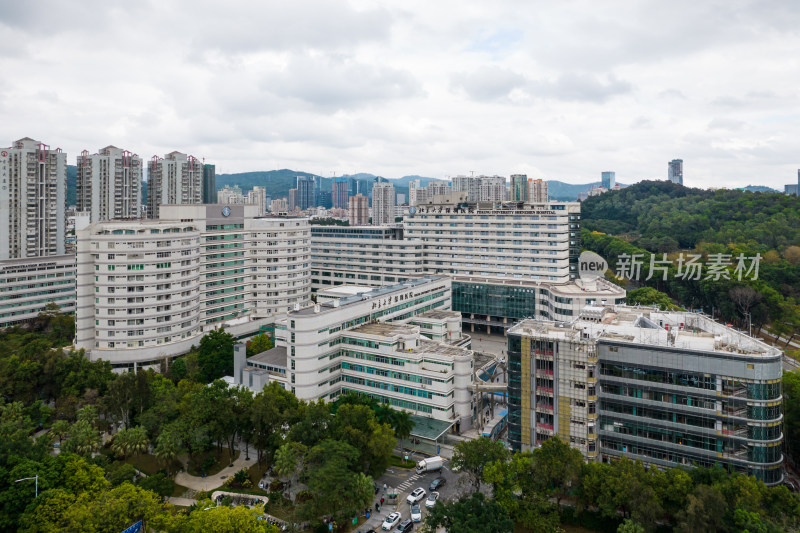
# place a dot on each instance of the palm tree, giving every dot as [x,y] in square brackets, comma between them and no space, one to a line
[168,447]
[130,441]
[59,430]
[288,461]
[402,425]
[138,441]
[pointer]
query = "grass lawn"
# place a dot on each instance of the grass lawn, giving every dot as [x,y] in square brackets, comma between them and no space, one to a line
[224,459]
[145,463]
[256,473]
[179,490]
[400,463]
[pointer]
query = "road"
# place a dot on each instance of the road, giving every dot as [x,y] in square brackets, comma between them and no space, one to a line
[407,480]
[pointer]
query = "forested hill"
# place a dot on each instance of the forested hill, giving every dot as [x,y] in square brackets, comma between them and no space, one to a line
[656,217]
[663,217]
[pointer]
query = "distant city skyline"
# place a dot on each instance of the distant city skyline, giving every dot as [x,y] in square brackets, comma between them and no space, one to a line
[557,91]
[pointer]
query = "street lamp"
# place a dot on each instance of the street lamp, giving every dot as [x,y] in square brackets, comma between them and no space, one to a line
[36,477]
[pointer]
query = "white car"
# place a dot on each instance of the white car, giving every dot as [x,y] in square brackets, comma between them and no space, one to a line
[416,513]
[416,496]
[431,501]
[391,521]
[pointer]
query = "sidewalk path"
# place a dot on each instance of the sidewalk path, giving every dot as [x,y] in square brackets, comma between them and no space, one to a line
[212,482]
[183,502]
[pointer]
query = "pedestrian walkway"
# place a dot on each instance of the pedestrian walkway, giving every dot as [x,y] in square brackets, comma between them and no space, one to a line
[212,482]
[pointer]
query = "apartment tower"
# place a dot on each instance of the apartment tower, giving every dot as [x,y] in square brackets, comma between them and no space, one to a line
[382,204]
[109,184]
[174,179]
[32,200]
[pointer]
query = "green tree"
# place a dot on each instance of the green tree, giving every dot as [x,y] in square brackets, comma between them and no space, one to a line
[401,424]
[630,526]
[557,467]
[207,517]
[83,439]
[59,430]
[260,343]
[470,514]
[705,511]
[356,425]
[158,483]
[289,460]
[215,355]
[109,510]
[472,456]
[168,446]
[650,296]
[119,472]
[131,441]
[336,487]
[272,411]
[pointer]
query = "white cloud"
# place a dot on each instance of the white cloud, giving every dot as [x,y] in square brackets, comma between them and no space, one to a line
[558,90]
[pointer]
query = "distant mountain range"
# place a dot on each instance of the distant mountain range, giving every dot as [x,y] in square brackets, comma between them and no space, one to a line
[278,182]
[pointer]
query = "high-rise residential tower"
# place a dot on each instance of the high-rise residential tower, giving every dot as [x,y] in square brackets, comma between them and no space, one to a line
[382,203]
[608,179]
[177,179]
[32,200]
[359,210]
[340,193]
[306,192]
[519,188]
[109,184]
[537,192]
[209,184]
[675,171]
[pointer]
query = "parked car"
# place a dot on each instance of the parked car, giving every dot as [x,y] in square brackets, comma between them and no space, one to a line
[437,483]
[391,521]
[416,495]
[405,527]
[431,501]
[416,513]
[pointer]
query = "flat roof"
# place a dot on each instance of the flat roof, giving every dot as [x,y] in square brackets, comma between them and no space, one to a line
[438,314]
[327,307]
[384,329]
[344,290]
[429,428]
[650,326]
[439,348]
[273,357]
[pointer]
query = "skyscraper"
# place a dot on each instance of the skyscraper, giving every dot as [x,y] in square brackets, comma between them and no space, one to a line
[359,210]
[109,184]
[519,188]
[608,179]
[340,193]
[209,184]
[32,200]
[537,192]
[292,200]
[175,179]
[675,171]
[306,192]
[382,203]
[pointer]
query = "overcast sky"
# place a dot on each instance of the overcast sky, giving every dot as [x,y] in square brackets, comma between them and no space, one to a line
[556,90]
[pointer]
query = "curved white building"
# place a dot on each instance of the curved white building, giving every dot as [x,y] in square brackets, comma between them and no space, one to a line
[150,289]
[138,289]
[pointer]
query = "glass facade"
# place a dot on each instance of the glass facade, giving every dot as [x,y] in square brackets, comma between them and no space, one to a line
[496,301]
